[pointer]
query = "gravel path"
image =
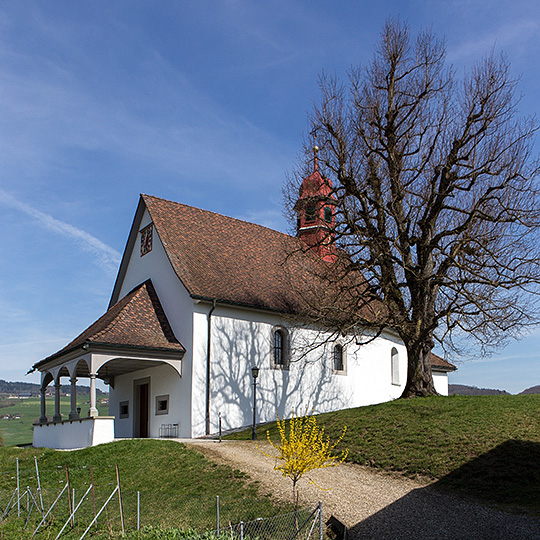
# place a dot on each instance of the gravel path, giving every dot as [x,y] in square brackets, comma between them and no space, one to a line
[376,505]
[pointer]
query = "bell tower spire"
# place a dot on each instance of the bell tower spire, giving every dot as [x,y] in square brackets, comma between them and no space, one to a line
[315,210]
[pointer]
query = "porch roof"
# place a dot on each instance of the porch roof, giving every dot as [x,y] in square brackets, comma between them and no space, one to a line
[135,324]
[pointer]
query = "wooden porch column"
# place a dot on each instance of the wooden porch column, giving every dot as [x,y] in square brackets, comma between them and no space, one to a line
[93,410]
[73,414]
[57,416]
[43,417]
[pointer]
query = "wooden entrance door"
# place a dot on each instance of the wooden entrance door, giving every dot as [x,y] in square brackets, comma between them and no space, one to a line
[143,410]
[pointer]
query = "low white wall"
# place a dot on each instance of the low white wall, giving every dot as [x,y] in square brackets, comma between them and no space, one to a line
[70,434]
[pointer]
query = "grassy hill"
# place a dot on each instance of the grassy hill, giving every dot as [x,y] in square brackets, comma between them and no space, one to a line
[465,390]
[178,488]
[532,390]
[487,446]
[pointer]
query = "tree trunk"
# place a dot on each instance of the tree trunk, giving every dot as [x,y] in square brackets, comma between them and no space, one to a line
[419,376]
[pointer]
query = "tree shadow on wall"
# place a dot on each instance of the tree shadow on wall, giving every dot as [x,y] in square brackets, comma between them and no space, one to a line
[453,508]
[238,345]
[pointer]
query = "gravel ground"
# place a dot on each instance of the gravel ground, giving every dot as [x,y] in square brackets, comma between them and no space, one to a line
[376,505]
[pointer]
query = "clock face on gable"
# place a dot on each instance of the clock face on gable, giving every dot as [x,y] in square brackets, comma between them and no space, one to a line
[146,239]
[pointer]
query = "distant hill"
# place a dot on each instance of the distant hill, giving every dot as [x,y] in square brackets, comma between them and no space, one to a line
[464,390]
[532,390]
[7,387]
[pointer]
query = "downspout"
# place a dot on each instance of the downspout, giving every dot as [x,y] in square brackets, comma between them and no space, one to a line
[208,349]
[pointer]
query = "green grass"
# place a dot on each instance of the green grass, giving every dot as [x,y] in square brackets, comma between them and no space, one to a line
[19,432]
[487,446]
[178,486]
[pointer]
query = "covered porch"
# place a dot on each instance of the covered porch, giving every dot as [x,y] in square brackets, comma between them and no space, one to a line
[132,336]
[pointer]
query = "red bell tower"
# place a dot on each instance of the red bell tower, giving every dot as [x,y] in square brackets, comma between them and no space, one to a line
[315,210]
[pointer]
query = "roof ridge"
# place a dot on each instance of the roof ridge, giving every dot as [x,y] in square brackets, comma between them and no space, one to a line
[250,223]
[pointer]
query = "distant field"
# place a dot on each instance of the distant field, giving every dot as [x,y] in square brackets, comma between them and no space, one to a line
[488,446]
[16,432]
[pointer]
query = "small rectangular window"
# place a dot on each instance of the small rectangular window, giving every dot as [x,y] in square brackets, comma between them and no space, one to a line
[162,404]
[146,239]
[327,214]
[123,409]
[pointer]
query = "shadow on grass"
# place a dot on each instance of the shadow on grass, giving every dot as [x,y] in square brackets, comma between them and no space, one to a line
[509,475]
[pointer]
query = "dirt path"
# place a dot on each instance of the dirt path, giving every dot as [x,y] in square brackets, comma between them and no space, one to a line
[375,505]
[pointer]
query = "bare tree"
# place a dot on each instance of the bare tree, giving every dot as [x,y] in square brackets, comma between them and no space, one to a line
[436,202]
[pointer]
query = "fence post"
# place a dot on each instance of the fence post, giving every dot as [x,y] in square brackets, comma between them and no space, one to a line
[138,510]
[320,522]
[39,484]
[93,491]
[18,492]
[241,530]
[69,494]
[217,514]
[120,499]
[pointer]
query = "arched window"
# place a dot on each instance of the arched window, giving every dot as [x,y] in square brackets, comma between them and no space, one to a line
[280,348]
[394,366]
[339,364]
[311,212]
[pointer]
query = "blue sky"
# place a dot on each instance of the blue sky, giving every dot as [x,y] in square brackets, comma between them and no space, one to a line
[201,102]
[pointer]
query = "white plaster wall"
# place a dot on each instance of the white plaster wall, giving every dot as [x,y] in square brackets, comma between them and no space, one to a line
[242,338]
[163,380]
[440,381]
[178,307]
[72,434]
[200,339]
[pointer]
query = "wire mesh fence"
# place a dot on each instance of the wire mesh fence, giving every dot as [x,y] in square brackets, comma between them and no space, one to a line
[71,512]
[301,525]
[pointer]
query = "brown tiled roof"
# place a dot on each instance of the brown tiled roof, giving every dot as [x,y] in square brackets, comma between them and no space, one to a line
[231,260]
[441,364]
[137,320]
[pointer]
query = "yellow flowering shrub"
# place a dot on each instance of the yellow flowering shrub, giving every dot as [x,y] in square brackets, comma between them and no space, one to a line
[304,447]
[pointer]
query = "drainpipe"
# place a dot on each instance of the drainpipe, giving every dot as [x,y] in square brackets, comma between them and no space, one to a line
[208,347]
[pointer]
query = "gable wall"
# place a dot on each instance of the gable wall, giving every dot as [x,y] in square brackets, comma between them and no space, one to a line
[243,338]
[178,307]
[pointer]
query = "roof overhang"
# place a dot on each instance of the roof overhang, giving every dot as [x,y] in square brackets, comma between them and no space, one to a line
[106,361]
[443,369]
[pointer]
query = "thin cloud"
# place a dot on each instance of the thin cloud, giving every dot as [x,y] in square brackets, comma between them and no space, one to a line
[512,34]
[105,256]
